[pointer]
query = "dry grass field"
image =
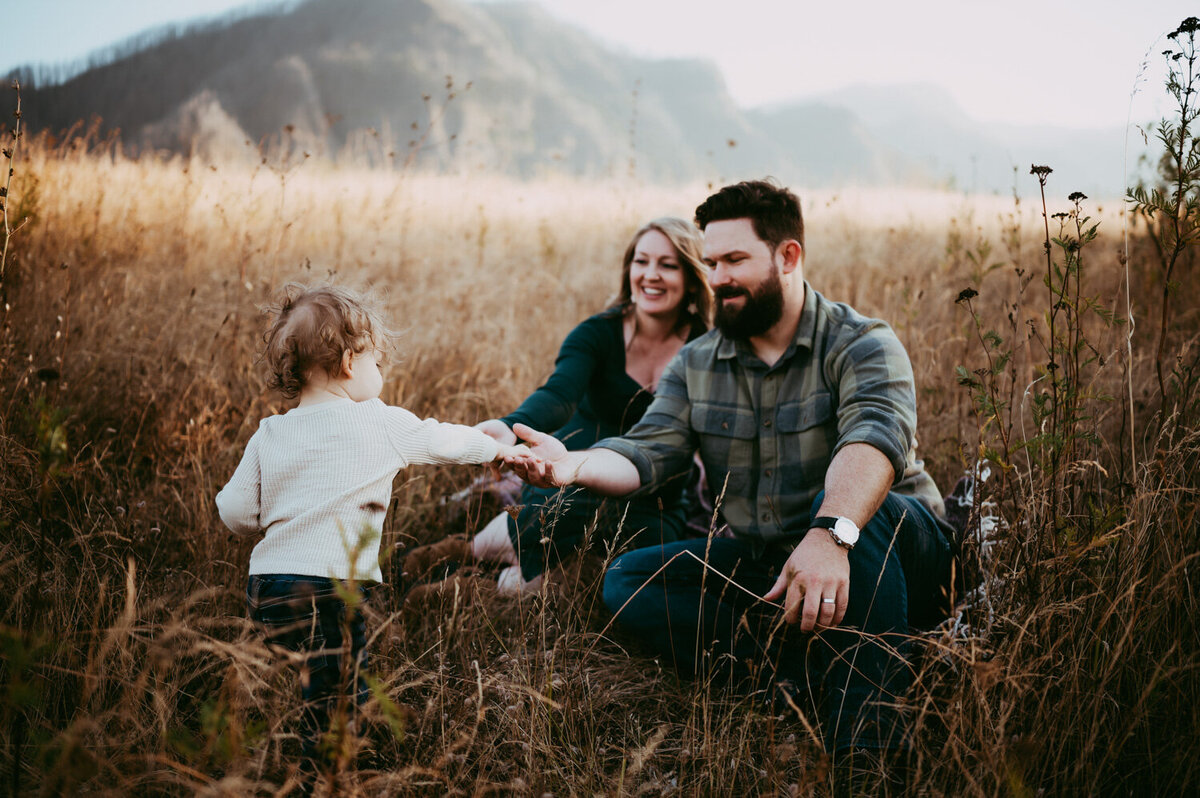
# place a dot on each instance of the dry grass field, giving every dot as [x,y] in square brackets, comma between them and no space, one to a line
[128,387]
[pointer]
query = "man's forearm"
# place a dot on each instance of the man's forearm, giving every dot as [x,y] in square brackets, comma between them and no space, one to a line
[856,483]
[815,580]
[600,470]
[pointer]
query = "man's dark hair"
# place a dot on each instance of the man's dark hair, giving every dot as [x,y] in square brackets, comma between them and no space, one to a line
[773,211]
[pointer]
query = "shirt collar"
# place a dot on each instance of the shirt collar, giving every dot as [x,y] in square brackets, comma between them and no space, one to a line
[806,331]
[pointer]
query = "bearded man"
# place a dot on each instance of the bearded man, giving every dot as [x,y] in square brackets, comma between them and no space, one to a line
[803,412]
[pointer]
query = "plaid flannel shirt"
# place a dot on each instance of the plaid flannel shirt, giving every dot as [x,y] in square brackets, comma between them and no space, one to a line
[767,434]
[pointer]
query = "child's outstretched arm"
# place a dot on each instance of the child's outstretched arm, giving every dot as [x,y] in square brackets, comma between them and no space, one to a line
[435,442]
[238,501]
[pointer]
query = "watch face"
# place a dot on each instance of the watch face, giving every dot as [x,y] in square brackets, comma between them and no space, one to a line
[846,531]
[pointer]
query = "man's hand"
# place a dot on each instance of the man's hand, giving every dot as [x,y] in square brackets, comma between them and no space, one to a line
[817,569]
[856,484]
[545,463]
[497,429]
[550,465]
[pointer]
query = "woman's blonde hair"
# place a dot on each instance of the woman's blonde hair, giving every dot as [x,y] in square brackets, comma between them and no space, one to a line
[687,240]
[312,329]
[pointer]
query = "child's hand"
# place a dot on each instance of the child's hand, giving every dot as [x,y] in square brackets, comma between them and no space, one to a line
[508,456]
[511,454]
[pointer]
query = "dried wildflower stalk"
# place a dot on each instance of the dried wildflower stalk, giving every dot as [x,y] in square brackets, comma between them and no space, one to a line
[11,154]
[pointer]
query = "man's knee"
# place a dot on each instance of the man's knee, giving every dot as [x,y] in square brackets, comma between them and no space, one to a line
[623,578]
[629,576]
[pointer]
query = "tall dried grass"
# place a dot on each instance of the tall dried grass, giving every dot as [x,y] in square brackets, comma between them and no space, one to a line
[128,390]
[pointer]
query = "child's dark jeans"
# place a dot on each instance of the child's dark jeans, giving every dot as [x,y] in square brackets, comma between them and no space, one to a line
[304,614]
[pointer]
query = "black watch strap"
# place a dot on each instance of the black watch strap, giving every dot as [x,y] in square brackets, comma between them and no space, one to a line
[829,522]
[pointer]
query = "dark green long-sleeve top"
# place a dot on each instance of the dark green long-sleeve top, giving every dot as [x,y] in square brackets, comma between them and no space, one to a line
[589,396]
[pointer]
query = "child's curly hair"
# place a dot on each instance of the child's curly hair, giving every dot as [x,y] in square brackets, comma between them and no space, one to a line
[313,327]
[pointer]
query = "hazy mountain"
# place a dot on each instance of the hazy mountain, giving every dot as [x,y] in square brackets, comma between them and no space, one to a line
[373,76]
[925,125]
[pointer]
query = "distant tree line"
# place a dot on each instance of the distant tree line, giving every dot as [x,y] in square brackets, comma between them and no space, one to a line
[40,76]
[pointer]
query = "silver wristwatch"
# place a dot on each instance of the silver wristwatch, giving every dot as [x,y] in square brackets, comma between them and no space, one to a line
[843,531]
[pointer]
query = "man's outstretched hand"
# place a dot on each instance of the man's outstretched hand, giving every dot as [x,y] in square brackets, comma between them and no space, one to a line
[817,569]
[550,465]
[545,464]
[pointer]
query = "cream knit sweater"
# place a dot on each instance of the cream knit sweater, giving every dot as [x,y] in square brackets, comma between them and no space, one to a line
[318,477]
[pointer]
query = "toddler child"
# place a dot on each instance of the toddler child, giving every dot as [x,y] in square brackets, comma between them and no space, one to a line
[317,480]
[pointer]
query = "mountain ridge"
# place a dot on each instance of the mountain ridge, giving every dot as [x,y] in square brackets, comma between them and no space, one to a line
[545,97]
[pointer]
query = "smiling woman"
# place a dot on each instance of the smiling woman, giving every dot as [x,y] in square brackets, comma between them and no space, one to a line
[603,381]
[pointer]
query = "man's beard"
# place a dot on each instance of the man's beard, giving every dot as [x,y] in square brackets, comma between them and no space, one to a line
[761,310]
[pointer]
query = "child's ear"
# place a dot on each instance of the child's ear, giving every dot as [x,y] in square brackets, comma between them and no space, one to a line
[348,364]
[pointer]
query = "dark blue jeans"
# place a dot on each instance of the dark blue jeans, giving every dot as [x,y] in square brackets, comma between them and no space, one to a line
[697,603]
[304,614]
[554,522]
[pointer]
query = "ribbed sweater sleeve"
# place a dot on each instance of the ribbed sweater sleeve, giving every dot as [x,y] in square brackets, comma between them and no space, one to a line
[238,502]
[432,441]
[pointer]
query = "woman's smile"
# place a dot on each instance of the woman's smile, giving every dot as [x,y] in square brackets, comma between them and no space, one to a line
[655,275]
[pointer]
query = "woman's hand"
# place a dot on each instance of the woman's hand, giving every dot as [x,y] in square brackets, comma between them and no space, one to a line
[497,429]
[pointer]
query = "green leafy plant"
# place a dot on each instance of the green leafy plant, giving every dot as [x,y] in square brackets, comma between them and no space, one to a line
[1037,412]
[1171,210]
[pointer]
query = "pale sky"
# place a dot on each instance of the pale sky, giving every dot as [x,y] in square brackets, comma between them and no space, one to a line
[1031,62]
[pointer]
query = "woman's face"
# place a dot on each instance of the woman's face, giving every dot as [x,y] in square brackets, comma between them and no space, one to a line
[657,284]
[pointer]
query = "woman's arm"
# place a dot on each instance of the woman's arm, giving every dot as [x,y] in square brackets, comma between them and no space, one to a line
[552,405]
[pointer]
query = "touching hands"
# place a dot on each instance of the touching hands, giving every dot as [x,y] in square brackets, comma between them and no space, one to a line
[818,569]
[545,463]
[507,453]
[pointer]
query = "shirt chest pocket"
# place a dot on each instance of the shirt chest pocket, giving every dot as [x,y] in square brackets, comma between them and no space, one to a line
[808,428]
[728,438]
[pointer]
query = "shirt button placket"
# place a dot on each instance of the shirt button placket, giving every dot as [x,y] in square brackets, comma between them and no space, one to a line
[768,447]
